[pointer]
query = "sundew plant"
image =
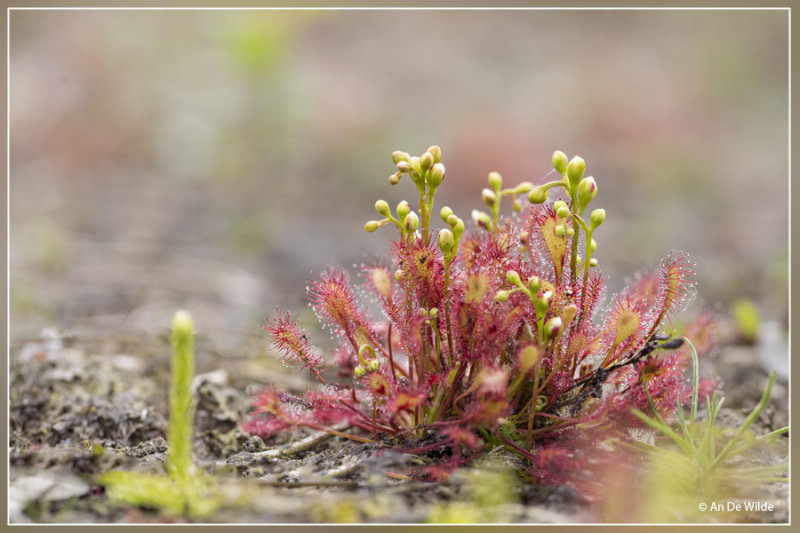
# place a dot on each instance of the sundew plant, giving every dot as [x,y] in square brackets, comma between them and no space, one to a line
[492,332]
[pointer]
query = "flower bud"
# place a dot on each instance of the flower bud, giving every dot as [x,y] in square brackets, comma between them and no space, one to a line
[560,162]
[570,231]
[592,246]
[560,230]
[437,175]
[502,295]
[403,208]
[445,213]
[371,226]
[359,371]
[488,196]
[563,212]
[399,274]
[523,237]
[558,204]
[398,156]
[373,365]
[597,217]
[587,189]
[382,207]
[436,152]
[528,357]
[394,179]
[403,166]
[446,240]
[411,221]
[538,195]
[495,180]
[593,262]
[533,284]
[434,312]
[575,170]
[513,277]
[515,205]
[481,219]
[426,161]
[543,303]
[553,327]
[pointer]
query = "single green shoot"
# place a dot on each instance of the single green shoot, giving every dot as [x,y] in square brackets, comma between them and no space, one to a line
[183,490]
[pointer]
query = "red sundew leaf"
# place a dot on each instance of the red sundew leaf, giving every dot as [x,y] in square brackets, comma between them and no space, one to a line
[291,339]
[332,298]
[676,288]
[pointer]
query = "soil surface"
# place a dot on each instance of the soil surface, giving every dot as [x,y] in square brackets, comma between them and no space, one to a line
[83,406]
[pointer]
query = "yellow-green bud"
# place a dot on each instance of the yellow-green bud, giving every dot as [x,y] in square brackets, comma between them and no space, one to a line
[543,303]
[502,296]
[426,161]
[538,195]
[560,162]
[533,284]
[587,189]
[436,152]
[411,221]
[553,327]
[394,179]
[488,197]
[558,204]
[433,312]
[592,246]
[592,262]
[528,357]
[512,276]
[403,166]
[570,231]
[398,156]
[403,209]
[560,230]
[445,213]
[495,180]
[446,240]
[575,170]
[382,207]
[563,212]
[371,226]
[597,217]
[481,219]
[457,225]
[437,175]
[359,371]
[399,274]
[373,365]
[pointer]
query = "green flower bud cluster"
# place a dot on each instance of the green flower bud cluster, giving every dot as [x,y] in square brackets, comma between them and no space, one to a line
[449,239]
[530,289]
[493,197]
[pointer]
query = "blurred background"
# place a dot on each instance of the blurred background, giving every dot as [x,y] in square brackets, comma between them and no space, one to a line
[211,160]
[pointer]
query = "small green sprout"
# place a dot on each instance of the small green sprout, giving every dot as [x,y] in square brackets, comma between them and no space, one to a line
[184,490]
